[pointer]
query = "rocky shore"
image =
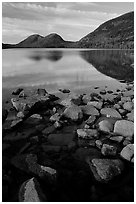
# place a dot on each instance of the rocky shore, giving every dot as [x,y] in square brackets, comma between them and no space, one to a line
[77,147]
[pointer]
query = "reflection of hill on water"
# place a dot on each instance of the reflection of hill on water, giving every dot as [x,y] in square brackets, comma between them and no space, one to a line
[53,55]
[113,63]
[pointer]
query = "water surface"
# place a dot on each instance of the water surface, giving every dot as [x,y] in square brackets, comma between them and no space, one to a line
[66,68]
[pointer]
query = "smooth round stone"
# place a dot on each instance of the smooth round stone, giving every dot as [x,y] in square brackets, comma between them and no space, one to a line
[128,152]
[110,112]
[124,128]
[128,106]
[73,112]
[90,110]
[105,126]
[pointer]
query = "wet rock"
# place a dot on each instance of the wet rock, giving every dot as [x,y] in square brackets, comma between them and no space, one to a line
[122,111]
[90,110]
[90,121]
[19,106]
[117,138]
[42,92]
[87,133]
[103,92]
[36,116]
[124,128]
[4,115]
[126,142]
[98,144]
[73,113]
[128,106]
[55,117]
[109,150]
[128,152]
[110,112]
[105,126]
[17,91]
[96,104]
[64,90]
[86,99]
[30,191]
[49,130]
[57,125]
[130,116]
[60,139]
[105,170]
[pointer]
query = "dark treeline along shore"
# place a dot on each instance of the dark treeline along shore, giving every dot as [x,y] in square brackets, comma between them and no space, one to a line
[68,146]
[117,33]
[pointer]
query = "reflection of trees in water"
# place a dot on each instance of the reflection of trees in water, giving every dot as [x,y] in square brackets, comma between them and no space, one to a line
[53,55]
[114,63]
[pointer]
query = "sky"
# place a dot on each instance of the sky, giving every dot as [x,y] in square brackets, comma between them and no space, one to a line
[71,20]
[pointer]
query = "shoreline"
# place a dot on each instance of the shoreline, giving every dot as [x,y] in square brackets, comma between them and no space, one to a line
[68,146]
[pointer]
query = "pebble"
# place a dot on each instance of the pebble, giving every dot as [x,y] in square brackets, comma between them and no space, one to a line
[90,110]
[87,133]
[105,126]
[73,113]
[110,112]
[128,106]
[124,128]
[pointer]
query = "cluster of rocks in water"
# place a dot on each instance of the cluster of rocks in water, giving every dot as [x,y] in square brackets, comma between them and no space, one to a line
[74,148]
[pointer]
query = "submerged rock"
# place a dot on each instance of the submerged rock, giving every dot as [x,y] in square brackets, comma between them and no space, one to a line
[30,191]
[109,150]
[87,133]
[60,139]
[105,170]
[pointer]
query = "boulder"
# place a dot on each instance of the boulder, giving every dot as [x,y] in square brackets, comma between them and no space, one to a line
[105,126]
[30,191]
[124,128]
[105,170]
[110,112]
[87,133]
[109,150]
[73,113]
[128,152]
[90,110]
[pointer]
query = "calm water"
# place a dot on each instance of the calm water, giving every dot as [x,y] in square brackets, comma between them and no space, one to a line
[74,69]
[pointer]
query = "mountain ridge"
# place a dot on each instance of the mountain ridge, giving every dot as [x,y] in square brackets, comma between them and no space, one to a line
[117,33]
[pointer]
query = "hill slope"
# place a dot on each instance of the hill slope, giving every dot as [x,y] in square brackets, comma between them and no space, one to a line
[115,33]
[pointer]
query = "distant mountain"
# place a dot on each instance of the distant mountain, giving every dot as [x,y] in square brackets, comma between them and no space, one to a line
[115,33]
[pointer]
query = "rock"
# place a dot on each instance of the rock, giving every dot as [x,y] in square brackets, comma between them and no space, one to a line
[98,144]
[86,126]
[75,98]
[19,106]
[128,106]
[42,92]
[128,152]
[110,112]
[117,138]
[124,128]
[57,125]
[64,90]
[49,130]
[4,115]
[66,102]
[109,150]
[17,91]
[16,122]
[117,106]
[73,113]
[130,116]
[55,117]
[126,142]
[109,91]
[20,114]
[129,93]
[103,92]
[90,110]
[96,104]
[22,94]
[125,99]
[122,111]
[87,133]
[30,191]
[60,139]
[105,126]
[86,99]
[105,170]
[36,116]
[90,121]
